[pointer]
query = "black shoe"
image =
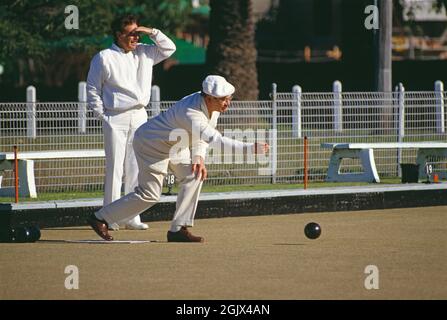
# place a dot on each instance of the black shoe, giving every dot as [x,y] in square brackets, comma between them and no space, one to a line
[183,235]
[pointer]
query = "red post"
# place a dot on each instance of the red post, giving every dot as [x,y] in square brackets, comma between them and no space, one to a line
[305,162]
[16,174]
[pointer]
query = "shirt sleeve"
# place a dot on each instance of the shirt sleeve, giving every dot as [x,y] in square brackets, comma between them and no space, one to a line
[202,134]
[95,81]
[211,135]
[163,48]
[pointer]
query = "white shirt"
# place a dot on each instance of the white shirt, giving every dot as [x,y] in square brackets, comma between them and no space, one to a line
[119,81]
[186,121]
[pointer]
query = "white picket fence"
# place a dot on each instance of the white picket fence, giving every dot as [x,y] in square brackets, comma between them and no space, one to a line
[283,121]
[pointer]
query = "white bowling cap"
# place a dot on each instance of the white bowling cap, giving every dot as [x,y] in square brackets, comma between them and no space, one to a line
[217,86]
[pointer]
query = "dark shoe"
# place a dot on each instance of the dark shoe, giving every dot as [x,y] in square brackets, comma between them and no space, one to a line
[100,227]
[183,235]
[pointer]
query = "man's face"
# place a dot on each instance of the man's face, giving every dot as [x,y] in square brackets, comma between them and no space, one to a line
[219,104]
[128,38]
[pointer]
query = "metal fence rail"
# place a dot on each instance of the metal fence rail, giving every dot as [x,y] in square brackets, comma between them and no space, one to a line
[283,122]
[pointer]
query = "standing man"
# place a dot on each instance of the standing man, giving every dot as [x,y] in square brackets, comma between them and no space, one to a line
[158,147]
[118,89]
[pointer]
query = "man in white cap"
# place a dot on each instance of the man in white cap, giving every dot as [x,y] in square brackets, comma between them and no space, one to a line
[192,119]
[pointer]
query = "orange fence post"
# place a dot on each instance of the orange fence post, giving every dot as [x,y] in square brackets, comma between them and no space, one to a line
[16,175]
[305,162]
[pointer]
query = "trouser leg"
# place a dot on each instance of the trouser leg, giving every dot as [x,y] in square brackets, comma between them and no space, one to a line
[146,194]
[114,147]
[120,159]
[188,196]
[137,118]
[130,177]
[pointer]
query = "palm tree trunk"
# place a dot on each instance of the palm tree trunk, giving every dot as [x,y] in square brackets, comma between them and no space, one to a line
[231,51]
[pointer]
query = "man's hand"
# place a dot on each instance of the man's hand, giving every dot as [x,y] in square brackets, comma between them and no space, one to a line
[261,148]
[145,30]
[198,168]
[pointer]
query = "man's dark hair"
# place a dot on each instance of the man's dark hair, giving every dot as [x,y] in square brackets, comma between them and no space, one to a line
[120,22]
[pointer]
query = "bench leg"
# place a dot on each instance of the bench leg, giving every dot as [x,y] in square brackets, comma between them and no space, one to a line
[366,157]
[421,160]
[5,165]
[369,165]
[27,184]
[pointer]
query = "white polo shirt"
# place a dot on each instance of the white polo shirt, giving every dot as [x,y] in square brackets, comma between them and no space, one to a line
[119,81]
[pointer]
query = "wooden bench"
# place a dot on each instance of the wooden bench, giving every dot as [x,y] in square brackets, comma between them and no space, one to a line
[364,152]
[27,184]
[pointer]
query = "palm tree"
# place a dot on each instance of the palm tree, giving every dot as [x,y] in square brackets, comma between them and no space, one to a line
[231,51]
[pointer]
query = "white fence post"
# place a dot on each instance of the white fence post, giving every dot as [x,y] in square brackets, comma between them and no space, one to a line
[82,107]
[401,92]
[440,110]
[273,136]
[155,100]
[31,131]
[296,112]
[401,129]
[338,104]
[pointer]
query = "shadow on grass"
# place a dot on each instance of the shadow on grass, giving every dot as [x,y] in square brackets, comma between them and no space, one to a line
[99,241]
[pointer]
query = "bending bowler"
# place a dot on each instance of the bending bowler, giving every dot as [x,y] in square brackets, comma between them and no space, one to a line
[157,149]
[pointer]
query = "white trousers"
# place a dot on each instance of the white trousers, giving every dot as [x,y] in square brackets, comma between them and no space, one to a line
[150,183]
[119,130]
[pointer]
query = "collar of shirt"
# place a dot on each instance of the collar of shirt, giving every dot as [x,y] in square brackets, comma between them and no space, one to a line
[119,49]
[204,108]
[214,115]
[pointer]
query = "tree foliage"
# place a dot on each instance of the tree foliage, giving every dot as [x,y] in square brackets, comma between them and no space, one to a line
[34,30]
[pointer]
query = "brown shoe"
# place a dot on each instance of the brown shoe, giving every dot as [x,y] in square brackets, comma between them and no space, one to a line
[183,235]
[100,227]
